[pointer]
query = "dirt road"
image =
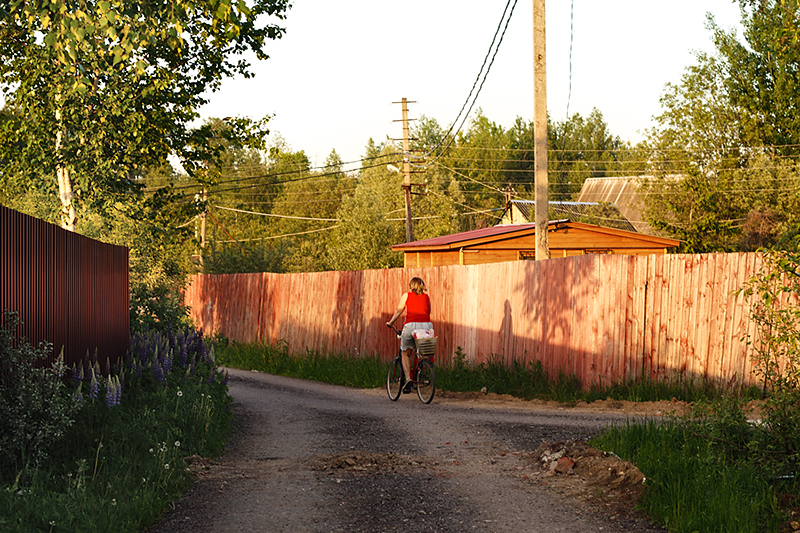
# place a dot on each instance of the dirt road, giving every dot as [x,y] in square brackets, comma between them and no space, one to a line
[310,457]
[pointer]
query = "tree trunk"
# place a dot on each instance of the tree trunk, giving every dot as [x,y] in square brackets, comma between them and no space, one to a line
[64,183]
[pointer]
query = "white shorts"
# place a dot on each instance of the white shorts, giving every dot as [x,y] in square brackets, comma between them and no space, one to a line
[407,339]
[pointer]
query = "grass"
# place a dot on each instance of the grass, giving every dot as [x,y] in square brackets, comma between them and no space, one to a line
[118,466]
[523,381]
[692,485]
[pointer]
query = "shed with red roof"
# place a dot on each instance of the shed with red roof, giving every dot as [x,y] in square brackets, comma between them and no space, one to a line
[517,242]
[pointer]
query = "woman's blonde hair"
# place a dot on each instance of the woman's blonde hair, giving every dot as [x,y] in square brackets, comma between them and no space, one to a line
[417,286]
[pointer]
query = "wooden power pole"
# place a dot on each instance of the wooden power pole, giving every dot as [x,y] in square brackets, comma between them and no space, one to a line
[540,132]
[407,172]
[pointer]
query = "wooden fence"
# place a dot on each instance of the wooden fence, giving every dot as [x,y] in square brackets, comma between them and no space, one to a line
[603,318]
[68,289]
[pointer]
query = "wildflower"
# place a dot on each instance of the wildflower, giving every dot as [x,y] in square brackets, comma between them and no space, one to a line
[180,393]
[166,466]
[111,392]
[114,502]
[151,450]
[52,522]
[177,444]
[94,388]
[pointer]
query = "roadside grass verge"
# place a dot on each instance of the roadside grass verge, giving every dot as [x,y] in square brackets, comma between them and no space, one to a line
[518,379]
[120,463]
[695,483]
[363,373]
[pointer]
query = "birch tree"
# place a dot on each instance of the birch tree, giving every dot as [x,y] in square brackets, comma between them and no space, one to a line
[98,90]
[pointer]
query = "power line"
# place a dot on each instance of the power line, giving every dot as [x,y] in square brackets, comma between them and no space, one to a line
[276,216]
[450,134]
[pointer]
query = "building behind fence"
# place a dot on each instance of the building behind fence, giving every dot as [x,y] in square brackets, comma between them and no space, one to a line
[603,318]
[69,290]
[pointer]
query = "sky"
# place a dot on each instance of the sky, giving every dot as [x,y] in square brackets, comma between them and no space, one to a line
[331,81]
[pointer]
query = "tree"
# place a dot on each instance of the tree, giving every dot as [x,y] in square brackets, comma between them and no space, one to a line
[721,156]
[580,148]
[366,231]
[100,90]
[313,201]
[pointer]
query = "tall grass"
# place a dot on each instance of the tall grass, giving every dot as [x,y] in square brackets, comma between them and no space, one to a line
[368,372]
[693,485]
[121,461]
[523,380]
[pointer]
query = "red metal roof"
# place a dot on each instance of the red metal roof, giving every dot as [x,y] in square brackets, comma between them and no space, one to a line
[446,240]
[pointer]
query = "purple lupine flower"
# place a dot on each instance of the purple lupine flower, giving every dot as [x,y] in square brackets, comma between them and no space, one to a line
[158,372]
[168,362]
[110,393]
[211,376]
[118,396]
[75,374]
[225,380]
[78,397]
[94,388]
[184,355]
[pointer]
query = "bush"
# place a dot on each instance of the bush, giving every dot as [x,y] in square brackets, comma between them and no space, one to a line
[776,346]
[122,461]
[35,409]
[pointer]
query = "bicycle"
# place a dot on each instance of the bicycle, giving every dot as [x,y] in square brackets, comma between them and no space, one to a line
[423,376]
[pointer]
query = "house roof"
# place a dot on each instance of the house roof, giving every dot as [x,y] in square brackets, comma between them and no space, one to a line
[609,215]
[511,231]
[623,193]
[447,241]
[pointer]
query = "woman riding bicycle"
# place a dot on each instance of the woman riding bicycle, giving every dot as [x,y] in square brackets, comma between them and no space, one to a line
[417,307]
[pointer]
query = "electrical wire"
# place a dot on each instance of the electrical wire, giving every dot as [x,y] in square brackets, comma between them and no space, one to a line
[450,134]
[276,216]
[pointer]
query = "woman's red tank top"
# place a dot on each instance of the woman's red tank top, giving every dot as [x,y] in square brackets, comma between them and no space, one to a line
[418,308]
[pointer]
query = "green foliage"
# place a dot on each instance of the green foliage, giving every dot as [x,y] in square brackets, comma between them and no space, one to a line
[580,148]
[693,483]
[35,409]
[775,309]
[102,89]
[371,220]
[723,155]
[368,372]
[119,465]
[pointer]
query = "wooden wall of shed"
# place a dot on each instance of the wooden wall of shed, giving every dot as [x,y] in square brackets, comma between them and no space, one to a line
[604,318]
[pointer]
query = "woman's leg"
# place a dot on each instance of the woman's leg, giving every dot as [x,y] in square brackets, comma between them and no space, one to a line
[408,363]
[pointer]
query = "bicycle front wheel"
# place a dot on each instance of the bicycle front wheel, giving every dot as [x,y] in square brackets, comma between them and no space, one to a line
[394,379]
[426,381]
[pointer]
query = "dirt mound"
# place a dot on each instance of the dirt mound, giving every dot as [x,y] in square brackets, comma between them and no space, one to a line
[360,461]
[589,475]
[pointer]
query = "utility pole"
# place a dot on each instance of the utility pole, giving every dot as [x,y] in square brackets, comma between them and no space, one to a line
[407,172]
[203,220]
[540,132]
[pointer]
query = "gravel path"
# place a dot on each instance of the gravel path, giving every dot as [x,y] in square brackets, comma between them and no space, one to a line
[311,457]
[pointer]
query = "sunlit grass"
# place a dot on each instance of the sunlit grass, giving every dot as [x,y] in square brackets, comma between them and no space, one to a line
[692,485]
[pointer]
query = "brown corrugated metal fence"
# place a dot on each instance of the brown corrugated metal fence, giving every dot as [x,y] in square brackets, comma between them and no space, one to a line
[68,289]
[603,318]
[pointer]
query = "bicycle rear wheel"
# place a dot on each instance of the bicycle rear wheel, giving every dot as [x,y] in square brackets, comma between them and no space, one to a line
[394,379]
[426,381]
